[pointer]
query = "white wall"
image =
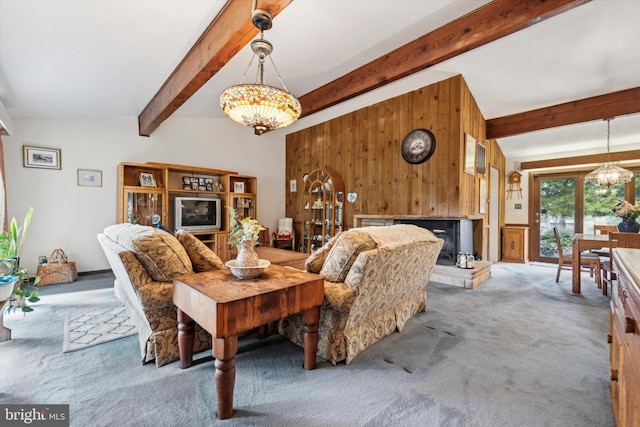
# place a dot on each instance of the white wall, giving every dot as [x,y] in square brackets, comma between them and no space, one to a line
[69,217]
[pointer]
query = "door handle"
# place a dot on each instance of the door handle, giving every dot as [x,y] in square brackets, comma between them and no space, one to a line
[537,221]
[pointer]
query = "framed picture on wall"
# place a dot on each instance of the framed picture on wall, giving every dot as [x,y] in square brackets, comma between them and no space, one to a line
[89,178]
[238,187]
[469,154]
[38,157]
[481,163]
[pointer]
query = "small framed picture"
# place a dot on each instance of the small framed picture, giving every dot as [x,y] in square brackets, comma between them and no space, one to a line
[481,163]
[147,180]
[89,178]
[469,154]
[194,185]
[186,180]
[238,187]
[293,185]
[38,157]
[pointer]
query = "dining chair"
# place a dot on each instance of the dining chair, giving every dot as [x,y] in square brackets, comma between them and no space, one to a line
[587,259]
[603,229]
[616,240]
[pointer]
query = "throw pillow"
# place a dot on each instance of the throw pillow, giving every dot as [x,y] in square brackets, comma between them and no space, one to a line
[314,263]
[162,256]
[202,257]
[344,253]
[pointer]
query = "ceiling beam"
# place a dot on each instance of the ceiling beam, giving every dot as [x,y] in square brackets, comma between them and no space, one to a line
[488,23]
[584,110]
[229,32]
[581,160]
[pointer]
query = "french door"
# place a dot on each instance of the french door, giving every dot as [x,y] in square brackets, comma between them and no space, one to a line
[555,204]
[565,201]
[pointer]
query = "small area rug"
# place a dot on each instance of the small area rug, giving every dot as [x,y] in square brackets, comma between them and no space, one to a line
[89,329]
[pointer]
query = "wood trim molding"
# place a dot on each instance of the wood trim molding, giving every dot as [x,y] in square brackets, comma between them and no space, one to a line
[597,107]
[488,23]
[581,160]
[229,32]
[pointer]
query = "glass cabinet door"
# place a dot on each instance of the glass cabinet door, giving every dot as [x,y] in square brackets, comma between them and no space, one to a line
[145,208]
[322,207]
[244,207]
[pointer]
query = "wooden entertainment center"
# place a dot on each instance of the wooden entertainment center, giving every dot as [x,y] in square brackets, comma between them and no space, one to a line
[148,189]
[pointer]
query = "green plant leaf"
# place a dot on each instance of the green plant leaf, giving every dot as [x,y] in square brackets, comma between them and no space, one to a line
[34,298]
[26,309]
[19,292]
[25,225]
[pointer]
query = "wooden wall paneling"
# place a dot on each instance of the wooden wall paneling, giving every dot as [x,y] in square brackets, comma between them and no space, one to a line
[457,177]
[348,162]
[370,189]
[364,148]
[386,160]
[446,165]
[360,135]
[401,179]
[427,198]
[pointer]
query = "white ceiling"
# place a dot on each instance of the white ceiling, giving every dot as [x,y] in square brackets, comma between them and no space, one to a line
[107,58]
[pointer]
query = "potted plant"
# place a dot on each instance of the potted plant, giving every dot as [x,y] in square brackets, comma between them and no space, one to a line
[11,242]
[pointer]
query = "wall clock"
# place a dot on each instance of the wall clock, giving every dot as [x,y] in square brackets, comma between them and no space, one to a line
[418,146]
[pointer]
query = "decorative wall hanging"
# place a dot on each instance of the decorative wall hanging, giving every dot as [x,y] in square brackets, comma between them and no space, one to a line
[39,157]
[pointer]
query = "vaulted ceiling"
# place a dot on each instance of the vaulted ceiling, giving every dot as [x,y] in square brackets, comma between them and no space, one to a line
[526,62]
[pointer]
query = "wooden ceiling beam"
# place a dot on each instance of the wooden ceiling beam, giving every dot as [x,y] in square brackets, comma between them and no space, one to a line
[606,106]
[581,160]
[229,32]
[488,23]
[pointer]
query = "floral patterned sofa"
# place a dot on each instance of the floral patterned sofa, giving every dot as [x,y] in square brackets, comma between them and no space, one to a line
[144,260]
[375,280]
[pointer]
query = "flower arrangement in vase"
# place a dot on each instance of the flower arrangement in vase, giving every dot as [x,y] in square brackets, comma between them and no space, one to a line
[628,214]
[244,235]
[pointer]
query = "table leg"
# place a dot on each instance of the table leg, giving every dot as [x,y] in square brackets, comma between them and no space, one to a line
[310,339]
[186,333]
[224,350]
[575,268]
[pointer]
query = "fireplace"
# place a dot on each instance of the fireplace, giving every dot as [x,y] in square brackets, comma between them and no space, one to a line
[456,233]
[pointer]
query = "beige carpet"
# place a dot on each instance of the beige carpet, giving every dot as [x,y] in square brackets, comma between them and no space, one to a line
[89,329]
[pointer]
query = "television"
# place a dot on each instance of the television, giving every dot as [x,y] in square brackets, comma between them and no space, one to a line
[197,214]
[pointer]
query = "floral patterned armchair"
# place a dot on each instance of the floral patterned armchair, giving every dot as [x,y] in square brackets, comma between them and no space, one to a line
[144,261]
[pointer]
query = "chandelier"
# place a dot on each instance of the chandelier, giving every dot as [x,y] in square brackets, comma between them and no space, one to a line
[258,105]
[609,173]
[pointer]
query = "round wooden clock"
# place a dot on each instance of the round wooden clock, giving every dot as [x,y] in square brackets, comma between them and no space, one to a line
[418,146]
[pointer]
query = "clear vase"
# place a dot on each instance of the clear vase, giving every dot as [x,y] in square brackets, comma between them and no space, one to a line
[247,256]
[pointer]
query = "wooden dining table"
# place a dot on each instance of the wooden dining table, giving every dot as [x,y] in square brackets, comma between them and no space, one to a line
[583,242]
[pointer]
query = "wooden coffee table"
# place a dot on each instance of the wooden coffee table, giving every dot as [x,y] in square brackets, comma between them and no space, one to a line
[226,307]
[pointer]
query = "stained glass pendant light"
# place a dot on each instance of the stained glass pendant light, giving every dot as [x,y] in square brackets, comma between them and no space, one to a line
[258,105]
[609,173]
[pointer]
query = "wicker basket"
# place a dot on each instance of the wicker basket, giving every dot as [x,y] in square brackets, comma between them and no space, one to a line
[57,269]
